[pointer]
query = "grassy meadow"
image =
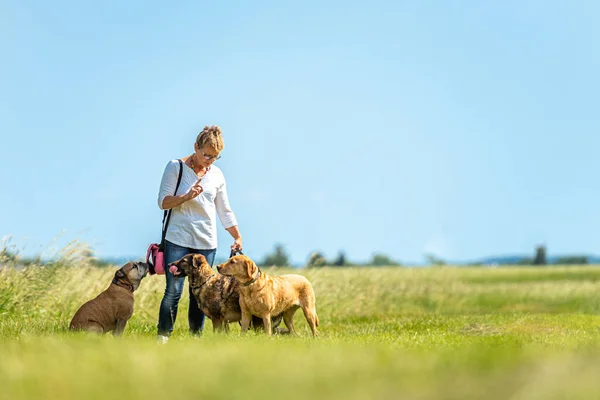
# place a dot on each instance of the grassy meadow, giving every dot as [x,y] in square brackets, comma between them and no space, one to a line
[385,333]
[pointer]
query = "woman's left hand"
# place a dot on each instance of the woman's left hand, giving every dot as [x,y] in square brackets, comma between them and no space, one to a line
[237,245]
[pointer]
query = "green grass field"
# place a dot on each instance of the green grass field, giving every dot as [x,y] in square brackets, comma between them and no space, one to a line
[435,333]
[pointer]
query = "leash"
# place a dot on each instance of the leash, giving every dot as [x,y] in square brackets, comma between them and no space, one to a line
[234,252]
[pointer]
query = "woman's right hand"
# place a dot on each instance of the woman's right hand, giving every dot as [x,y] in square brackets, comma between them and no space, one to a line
[194,191]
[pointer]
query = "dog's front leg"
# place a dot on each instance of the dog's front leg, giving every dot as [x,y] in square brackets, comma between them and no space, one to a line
[267,323]
[119,327]
[217,324]
[246,318]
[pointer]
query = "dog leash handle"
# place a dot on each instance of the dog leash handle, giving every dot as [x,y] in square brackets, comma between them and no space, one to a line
[234,252]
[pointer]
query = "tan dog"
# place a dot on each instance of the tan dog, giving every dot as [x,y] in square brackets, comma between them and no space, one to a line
[263,295]
[218,296]
[111,309]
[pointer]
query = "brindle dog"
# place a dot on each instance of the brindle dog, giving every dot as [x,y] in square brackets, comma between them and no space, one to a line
[111,309]
[218,296]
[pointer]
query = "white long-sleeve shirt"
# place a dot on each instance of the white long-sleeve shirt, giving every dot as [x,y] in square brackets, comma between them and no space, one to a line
[193,223]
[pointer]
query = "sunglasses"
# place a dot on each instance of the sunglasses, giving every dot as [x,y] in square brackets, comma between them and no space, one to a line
[208,158]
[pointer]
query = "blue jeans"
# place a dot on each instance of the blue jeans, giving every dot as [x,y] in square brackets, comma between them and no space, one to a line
[168,305]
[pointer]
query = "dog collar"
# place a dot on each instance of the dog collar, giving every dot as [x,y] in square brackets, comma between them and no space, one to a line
[203,283]
[127,286]
[250,282]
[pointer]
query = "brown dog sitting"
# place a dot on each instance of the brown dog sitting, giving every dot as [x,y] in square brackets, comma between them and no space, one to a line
[218,296]
[111,309]
[263,295]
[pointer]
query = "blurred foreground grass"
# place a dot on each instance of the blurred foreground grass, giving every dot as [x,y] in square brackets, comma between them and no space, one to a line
[438,333]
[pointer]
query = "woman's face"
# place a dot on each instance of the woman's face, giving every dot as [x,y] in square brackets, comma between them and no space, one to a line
[206,155]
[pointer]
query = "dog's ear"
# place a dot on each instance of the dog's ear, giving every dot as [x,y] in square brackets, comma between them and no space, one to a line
[197,260]
[251,267]
[120,274]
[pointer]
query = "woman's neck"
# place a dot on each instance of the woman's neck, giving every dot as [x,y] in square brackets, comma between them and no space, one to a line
[192,164]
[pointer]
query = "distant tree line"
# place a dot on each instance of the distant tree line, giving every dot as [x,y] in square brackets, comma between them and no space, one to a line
[280,257]
[318,259]
[540,258]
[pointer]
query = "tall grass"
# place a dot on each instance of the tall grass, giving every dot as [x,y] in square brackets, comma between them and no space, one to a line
[444,333]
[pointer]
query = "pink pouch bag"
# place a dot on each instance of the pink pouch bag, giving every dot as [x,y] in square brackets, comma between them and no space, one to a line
[155,256]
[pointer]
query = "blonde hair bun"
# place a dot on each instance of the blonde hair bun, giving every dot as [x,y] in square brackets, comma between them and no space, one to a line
[211,136]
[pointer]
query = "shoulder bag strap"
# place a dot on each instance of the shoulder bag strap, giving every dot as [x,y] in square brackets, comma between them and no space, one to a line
[167,214]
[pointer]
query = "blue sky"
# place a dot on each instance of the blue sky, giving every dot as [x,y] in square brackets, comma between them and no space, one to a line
[466,130]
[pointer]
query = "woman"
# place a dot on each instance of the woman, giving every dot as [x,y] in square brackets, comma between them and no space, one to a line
[193,228]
